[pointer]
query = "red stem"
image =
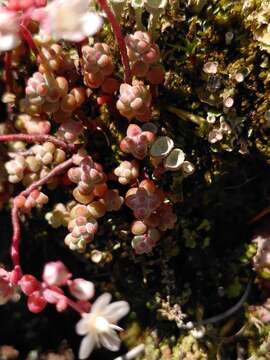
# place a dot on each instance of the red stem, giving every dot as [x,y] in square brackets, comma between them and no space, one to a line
[39,139]
[16,237]
[70,302]
[74,305]
[119,37]
[29,39]
[59,169]
[261,214]
[14,213]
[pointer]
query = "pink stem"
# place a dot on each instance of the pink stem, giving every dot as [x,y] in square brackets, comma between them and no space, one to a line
[16,237]
[74,306]
[29,39]
[14,213]
[59,169]
[260,215]
[8,74]
[39,139]
[69,302]
[119,37]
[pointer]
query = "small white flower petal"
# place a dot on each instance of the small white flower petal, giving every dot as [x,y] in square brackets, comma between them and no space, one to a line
[110,341]
[9,30]
[91,23]
[82,327]
[69,20]
[116,310]
[116,327]
[87,346]
[101,303]
[9,42]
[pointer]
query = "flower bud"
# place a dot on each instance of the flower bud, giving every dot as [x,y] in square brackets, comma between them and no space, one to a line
[29,284]
[82,289]
[61,305]
[15,275]
[36,302]
[55,273]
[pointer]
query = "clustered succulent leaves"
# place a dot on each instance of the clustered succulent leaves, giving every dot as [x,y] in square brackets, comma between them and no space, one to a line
[128,128]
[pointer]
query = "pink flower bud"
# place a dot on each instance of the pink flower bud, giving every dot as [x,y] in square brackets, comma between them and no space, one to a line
[29,284]
[82,289]
[55,273]
[61,305]
[36,302]
[15,275]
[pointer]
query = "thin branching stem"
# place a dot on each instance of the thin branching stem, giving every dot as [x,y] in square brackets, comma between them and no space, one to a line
[59,169]
[119,37]
[15,255]
[39,139]
[32,45]
[71,303]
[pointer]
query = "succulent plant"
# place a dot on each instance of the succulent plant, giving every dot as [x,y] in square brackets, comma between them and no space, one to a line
[86,175]
[143,244]
[161,148]
[97,64]
[137,141]
[174,160]
[127,171]
[144,199]
[134,102]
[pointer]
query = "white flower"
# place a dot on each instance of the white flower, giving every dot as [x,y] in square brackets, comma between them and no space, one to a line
[98,326]
[9,30]
[68,20]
